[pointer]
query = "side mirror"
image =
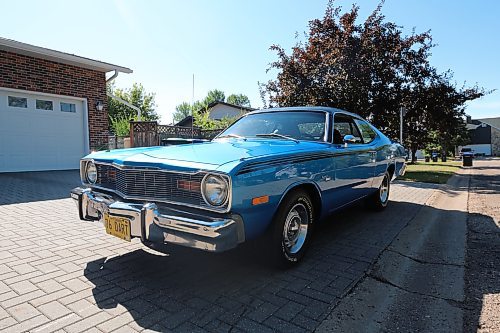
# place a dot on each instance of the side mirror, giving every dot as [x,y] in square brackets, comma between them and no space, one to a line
[349,139]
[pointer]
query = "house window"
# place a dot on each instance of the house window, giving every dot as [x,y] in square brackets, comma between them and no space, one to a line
[68,107]
[18,102]
[44,105]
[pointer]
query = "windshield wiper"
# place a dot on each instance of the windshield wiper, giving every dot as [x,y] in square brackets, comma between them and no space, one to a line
[232,136]
[276,135]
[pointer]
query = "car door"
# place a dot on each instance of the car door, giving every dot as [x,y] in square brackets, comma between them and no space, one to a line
[353,161]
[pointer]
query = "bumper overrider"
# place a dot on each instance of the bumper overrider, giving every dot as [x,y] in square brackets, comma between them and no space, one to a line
[161,225]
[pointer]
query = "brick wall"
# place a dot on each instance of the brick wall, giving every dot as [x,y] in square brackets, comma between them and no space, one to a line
[33,74]
[495,142]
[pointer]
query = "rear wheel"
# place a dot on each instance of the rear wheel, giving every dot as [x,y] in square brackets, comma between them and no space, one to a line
[292,228]
[380,198]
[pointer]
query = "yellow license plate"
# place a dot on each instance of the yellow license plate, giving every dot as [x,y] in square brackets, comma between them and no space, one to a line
[117,226]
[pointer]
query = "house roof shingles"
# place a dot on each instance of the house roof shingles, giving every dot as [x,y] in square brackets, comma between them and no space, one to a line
[13,46]
[493,122]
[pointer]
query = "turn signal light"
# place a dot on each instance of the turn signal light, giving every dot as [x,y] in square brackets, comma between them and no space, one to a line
[188,185]
[260,200]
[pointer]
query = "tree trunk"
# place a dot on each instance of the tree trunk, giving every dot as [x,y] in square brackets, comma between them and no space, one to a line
[414,154]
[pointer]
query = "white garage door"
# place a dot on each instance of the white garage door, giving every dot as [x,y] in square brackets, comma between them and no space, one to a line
[41,132]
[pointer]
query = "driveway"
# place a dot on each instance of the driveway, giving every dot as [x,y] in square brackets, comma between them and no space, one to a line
[57,272]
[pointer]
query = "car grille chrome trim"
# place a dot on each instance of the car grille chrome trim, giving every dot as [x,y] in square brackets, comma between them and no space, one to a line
[154,185]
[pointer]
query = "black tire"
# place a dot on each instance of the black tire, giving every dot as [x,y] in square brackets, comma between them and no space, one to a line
[379,200]
[287,244]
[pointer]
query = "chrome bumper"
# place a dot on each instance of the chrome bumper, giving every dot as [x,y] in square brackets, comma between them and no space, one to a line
[170,226]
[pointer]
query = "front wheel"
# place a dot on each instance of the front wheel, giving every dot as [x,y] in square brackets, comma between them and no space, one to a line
[292,229]
[380,199]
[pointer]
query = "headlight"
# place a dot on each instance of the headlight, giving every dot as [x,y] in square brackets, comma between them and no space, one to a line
[91,172]
[215,190]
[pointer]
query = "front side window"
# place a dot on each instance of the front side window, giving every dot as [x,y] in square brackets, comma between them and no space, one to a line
[44,105]
[18,102]
[298,125]
[344,125]
[68,107]
[367,133]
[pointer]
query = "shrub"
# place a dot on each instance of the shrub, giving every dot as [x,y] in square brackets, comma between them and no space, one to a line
[121,125]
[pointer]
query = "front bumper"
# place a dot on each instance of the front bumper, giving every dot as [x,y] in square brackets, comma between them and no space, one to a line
[163,225]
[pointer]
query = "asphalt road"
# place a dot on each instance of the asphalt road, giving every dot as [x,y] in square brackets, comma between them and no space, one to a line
[441,273]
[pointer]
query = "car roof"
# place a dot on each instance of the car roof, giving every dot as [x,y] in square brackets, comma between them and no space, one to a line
[306,108]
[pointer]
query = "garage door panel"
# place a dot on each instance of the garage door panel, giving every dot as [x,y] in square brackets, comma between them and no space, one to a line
[32,139]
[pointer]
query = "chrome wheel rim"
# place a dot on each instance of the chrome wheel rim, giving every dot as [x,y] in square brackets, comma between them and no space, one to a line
[295,229]
[384,190]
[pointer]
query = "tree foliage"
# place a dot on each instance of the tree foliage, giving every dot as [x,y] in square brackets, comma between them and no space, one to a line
[203,120]
[182,111]
[136,96]
[214,95]
[372,69]
[239,99]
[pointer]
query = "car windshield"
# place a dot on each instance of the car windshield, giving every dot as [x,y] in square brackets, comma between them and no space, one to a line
[283,125]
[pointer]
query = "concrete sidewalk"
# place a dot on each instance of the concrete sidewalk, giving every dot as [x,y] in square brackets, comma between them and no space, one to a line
[482,272]
[417,283]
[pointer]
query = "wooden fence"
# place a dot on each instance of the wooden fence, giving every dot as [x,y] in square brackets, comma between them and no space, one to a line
[149,133]
[144,134]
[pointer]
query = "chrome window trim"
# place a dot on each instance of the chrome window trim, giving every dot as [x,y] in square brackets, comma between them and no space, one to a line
[327,127]
[122,167]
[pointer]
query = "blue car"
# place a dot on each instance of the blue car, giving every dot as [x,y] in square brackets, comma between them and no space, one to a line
[272,175]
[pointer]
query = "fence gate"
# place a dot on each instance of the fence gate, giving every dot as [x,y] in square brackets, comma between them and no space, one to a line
[144,133]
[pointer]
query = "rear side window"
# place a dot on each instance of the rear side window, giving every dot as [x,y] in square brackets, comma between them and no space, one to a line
[344,125]
[367,133]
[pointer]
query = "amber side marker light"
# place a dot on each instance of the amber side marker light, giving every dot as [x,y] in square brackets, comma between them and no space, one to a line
[260,200]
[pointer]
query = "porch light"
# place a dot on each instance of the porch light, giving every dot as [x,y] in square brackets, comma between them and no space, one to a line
[99,106]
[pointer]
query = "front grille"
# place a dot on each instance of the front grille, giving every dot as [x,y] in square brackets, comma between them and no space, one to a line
[144,184]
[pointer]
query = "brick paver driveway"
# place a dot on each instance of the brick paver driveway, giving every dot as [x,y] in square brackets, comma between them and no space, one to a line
[59,273]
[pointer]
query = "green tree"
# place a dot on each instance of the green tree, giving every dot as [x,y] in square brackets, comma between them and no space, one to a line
[182,111]
[202,120]
[214,95]
[239,99]
[136,96]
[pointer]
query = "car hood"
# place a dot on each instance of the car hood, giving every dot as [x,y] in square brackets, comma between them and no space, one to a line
[209,155]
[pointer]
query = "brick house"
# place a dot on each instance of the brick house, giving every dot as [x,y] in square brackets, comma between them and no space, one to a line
[485,136]
[53,107]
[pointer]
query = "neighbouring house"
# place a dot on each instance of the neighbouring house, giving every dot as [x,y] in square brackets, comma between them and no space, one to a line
[53,107]
[217,111]
[485,136]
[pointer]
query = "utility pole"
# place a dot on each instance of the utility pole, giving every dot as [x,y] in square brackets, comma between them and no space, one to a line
[192,111]
[402,112]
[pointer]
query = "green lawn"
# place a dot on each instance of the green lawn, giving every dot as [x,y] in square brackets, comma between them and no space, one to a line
[431,172]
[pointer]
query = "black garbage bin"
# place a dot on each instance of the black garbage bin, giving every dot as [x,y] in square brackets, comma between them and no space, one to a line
[434,158]
[467,160]
[443,158]
[427,158]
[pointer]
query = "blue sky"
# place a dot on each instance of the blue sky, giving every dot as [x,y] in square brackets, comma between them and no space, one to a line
[225,44]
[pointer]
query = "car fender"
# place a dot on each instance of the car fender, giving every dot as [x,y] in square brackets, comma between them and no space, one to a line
[317,202]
